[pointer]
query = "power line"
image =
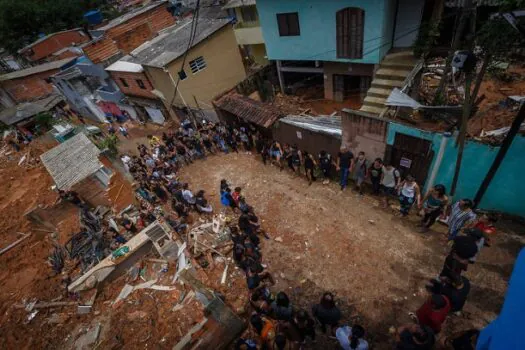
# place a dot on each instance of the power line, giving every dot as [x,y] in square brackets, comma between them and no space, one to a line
[193,31]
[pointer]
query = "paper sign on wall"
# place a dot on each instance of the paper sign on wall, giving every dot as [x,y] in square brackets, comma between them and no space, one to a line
[299,135]
[405,162]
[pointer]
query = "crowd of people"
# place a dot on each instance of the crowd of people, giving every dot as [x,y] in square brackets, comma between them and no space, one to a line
[275,322]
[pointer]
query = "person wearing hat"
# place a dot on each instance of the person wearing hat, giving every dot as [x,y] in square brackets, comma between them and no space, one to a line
[433,312]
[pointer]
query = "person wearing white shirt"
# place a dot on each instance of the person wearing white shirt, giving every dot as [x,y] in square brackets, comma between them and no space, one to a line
[351,338]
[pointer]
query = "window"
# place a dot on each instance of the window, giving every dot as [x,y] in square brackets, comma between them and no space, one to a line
[197,64]
[124,82]
[249,14]
[288,24]
[350,23]
[141,85]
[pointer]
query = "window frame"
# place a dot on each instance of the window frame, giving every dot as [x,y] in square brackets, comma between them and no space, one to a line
[350,39]
[287,31]
[199,63]
[124,82]
[141,84]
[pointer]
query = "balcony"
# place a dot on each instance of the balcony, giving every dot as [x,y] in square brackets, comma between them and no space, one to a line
[107,93]
[248,33]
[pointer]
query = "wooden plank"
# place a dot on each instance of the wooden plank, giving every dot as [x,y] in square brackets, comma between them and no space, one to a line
[14,244]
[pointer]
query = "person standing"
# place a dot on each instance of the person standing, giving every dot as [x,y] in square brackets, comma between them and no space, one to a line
[345,163]
[309,165]
[408,194]
[461,216]
[390,180]
[326,312]
[325,163]
[351,338]
[375,172]
[361,167]
[433,312]
[434,203]
[414,337]
[123,131]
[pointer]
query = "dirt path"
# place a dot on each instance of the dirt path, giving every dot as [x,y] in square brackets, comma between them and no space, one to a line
[376,263]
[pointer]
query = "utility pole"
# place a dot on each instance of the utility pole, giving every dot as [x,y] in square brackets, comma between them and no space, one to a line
[467,106]
[507,142]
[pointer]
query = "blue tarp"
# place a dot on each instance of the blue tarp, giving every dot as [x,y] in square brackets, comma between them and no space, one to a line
[507,332]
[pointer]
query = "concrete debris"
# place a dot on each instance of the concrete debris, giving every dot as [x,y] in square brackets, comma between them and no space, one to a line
[87,340]
[278,239]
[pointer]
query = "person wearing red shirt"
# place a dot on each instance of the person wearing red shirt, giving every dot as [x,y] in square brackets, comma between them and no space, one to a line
[434,312]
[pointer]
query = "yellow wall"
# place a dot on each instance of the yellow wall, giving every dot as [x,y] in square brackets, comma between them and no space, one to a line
[224,69]
[258,53]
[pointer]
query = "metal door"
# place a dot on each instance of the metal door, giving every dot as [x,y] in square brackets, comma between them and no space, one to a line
[412,155]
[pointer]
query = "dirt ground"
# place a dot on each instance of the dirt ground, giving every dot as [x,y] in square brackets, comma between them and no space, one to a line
[376,263]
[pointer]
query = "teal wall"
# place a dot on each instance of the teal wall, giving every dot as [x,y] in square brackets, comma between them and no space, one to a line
[318,29]
[507,189]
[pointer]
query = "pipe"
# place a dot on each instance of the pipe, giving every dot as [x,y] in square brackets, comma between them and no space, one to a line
[439,159]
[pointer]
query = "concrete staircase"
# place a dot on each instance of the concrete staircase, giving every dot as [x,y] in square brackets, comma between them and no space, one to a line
[392,72]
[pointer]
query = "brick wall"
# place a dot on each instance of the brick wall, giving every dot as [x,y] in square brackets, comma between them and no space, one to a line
[133,38]
[133,87]
[29,88]
[131,34]
[101,50]
[47,47]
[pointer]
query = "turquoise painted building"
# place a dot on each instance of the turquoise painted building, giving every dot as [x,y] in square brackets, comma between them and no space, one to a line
[339,41]
[504,194]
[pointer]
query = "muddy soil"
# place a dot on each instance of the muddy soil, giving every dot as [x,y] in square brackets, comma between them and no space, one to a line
[376,263]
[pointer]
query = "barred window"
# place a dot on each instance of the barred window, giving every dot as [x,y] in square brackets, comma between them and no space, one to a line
[197,64]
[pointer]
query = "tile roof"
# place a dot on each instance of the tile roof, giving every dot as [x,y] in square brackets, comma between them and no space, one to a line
[49,36]
[173,42]
[26,110]
[72,161]
[249,109]
[36,69]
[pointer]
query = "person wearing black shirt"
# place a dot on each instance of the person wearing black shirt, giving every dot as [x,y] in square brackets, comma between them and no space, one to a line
[457,292]
[309,164]
[345,163]
[415,337]
[325,163]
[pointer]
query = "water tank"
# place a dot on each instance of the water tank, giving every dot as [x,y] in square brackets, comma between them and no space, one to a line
[93,17]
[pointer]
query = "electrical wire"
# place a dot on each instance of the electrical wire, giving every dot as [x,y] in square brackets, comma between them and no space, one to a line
[193,31]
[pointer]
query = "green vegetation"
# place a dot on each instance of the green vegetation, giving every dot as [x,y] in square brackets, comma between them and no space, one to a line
[110,143]
[21,21]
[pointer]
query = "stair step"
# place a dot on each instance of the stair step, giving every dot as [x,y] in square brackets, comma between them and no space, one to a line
[401,54]
[371,109]
[398,64]
[386,83]
[378,92]
[374,101]
[402,73]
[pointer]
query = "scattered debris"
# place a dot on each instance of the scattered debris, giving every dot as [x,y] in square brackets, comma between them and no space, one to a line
[15,243]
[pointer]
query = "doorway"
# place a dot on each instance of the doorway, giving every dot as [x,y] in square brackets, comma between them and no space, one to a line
[412,155]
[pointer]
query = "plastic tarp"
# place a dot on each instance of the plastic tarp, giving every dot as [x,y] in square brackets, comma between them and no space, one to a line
[506,331]
[398,98]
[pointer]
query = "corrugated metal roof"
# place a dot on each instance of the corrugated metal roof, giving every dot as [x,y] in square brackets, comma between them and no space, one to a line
[325,124]
[72,161]
[238,3]
[248,109]
[122,66]
[27,110]
[126,17]
[173,42]
[461,3]
[36,69]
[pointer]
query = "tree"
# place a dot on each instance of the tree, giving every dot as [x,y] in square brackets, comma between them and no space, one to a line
[21,21]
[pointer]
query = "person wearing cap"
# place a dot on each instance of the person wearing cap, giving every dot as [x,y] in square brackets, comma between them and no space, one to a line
[433,312]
